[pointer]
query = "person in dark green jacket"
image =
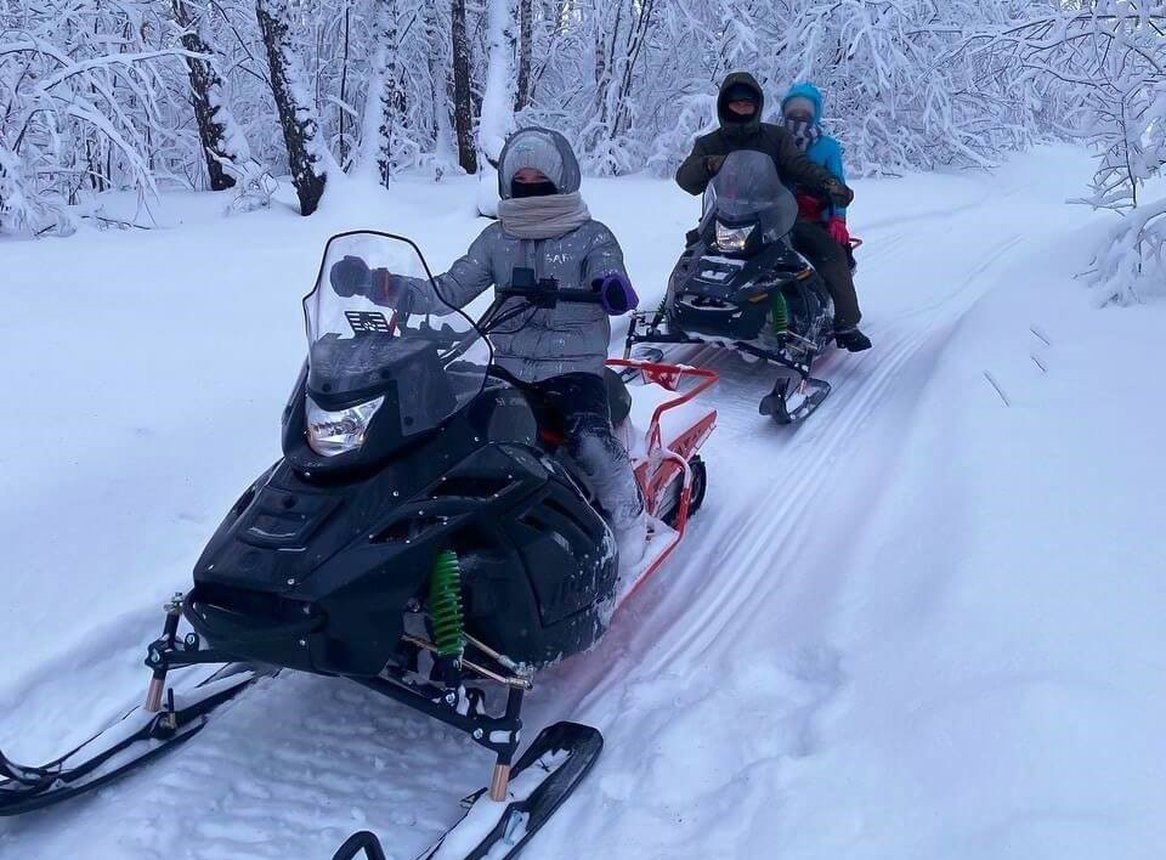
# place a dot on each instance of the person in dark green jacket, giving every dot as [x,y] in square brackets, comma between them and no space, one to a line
[739,108]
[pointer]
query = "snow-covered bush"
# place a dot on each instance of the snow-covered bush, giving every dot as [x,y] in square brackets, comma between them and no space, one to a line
[85,104]
[142,94]
[1106,62]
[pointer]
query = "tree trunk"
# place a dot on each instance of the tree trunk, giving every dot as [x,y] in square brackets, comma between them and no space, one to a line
[497,115]
[296,112]
[341,114]
[525,36]
[635,46]
[463,110]
[438,63]
[211,112]
[384,110]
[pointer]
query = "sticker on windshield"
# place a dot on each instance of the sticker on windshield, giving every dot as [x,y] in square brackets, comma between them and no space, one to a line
[368,322]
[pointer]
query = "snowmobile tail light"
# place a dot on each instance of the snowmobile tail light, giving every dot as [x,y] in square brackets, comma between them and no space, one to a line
[334,433]
[733,239]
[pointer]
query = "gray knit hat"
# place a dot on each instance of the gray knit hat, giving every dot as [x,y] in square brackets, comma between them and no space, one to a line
[544,150]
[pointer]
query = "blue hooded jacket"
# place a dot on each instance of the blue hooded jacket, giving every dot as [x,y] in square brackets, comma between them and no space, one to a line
[826,150]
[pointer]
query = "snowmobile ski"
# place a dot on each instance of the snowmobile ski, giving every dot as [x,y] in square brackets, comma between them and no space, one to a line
[547,773]
[793,399]
[134,740]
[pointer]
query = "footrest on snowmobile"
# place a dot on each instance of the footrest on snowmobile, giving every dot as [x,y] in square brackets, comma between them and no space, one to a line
[794,398]
[134,740]
[547,773]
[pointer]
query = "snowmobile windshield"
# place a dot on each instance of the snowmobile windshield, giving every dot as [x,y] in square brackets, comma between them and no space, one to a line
[365,353]
[747,188]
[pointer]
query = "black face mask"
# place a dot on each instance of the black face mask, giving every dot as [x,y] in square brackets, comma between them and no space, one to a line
[532,189]
[731,116]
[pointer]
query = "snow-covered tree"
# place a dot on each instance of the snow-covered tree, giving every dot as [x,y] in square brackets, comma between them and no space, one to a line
[383,137]
[497,113]
[85,106]
[463,108]
[1106,62]
[222,140]
[143,94]
[307,158]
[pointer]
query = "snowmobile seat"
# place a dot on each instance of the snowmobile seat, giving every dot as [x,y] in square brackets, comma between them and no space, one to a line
[619,399]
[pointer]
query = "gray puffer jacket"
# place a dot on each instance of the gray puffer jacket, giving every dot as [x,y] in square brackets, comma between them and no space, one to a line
[540,343]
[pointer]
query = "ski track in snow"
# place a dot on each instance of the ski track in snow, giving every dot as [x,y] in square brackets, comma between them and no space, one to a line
[711,685]
[727,578]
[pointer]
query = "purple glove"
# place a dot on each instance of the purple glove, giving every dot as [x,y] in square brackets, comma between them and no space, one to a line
[615,293]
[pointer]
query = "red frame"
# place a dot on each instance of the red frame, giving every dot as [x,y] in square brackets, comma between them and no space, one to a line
[663,464]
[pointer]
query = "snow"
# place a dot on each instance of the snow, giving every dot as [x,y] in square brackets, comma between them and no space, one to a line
[926,623]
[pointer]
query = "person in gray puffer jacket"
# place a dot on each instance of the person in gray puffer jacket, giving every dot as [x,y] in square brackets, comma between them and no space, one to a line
[556,354]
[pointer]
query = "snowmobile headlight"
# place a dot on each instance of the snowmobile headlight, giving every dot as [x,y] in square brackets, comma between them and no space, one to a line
[733,238]
[333,433]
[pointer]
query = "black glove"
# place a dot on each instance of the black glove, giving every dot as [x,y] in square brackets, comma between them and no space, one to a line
[350,276]
[839,194]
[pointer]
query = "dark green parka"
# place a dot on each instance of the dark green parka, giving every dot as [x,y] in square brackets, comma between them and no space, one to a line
[792,166]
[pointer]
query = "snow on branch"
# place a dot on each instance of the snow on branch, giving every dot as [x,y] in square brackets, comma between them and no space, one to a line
[1108,63]
[140,94]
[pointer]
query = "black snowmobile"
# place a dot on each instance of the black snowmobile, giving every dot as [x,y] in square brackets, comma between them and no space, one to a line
[740,284]
[420,536]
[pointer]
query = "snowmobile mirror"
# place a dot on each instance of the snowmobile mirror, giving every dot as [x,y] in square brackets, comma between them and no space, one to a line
[360,843]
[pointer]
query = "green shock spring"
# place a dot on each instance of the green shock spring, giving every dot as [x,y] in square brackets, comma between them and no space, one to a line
[445,605]
[779,312]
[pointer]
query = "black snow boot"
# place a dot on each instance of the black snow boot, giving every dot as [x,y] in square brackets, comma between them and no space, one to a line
[850,338]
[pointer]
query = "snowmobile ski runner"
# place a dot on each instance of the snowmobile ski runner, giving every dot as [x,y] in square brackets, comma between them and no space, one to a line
[740,284]
[422,536]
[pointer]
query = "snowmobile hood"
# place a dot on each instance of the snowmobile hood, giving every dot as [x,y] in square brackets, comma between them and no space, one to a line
[729,125]
[544,150]
[805,90]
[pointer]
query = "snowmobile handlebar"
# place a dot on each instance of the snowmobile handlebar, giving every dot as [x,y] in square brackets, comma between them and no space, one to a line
[547,293]
[543,292]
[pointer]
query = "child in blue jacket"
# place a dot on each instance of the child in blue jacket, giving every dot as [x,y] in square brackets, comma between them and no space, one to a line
[801,111]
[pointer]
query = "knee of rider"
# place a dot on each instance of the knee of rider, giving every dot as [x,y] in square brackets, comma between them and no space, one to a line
[594,441]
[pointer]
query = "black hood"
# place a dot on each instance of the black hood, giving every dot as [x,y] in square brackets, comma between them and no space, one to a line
[732,126]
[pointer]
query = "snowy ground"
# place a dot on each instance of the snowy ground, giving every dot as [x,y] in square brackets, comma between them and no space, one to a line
[926,624]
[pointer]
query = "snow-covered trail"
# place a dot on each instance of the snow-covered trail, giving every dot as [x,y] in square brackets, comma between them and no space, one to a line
[730,688]
[733,641]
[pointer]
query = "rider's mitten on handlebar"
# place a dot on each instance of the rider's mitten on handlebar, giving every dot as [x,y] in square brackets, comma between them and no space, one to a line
[350,276]
[615,293]
[839,194]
